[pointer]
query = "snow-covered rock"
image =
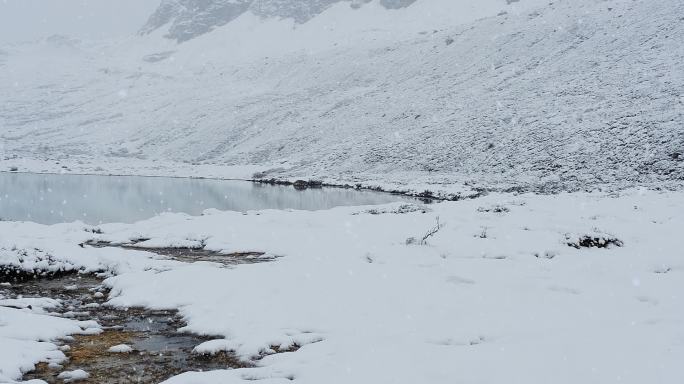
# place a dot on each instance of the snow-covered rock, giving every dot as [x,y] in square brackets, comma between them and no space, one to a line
[72,376]
[121,348]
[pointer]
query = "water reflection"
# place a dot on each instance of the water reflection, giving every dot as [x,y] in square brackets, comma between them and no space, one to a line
[51,199]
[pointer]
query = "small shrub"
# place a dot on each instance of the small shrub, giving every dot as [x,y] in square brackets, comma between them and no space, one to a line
[595,242]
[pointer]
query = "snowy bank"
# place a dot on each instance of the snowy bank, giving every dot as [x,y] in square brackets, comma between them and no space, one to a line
[565,289]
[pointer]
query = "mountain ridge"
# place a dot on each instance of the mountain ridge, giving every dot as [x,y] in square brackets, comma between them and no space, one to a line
[188,19]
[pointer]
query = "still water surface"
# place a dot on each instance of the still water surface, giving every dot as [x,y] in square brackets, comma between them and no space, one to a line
[50,199]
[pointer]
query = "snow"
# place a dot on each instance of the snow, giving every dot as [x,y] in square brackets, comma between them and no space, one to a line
[121,348]
[348,300]
[572,95]
[36,304]
[25,336]
[213,347]
[71,376]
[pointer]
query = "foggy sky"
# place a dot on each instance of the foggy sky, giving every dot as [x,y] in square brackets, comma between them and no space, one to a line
[22,20]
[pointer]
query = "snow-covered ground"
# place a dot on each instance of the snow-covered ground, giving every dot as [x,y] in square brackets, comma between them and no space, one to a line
[498,294]
[572,94]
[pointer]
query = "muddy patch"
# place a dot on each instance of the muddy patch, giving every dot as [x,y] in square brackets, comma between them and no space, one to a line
[191,255]
[157,350]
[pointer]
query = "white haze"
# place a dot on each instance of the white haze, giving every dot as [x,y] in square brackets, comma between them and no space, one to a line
[22,20]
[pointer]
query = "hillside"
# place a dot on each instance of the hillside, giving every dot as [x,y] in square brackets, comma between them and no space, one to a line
[569,95]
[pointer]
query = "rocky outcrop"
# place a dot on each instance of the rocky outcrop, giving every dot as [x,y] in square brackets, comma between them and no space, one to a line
[187,19]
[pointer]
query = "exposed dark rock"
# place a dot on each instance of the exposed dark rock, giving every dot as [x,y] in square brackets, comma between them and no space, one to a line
[595,242]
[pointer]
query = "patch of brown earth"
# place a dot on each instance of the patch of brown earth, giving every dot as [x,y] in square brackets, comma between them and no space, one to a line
[191,255]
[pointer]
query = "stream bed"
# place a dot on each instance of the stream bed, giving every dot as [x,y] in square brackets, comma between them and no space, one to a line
[158,350]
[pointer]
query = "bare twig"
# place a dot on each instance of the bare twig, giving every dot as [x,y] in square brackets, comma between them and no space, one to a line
[433,231]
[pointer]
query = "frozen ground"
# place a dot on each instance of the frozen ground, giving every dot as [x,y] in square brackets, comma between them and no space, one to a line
[509,289]
[532,94]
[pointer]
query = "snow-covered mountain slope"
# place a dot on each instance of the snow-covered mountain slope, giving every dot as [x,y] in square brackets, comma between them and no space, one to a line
[571,94]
